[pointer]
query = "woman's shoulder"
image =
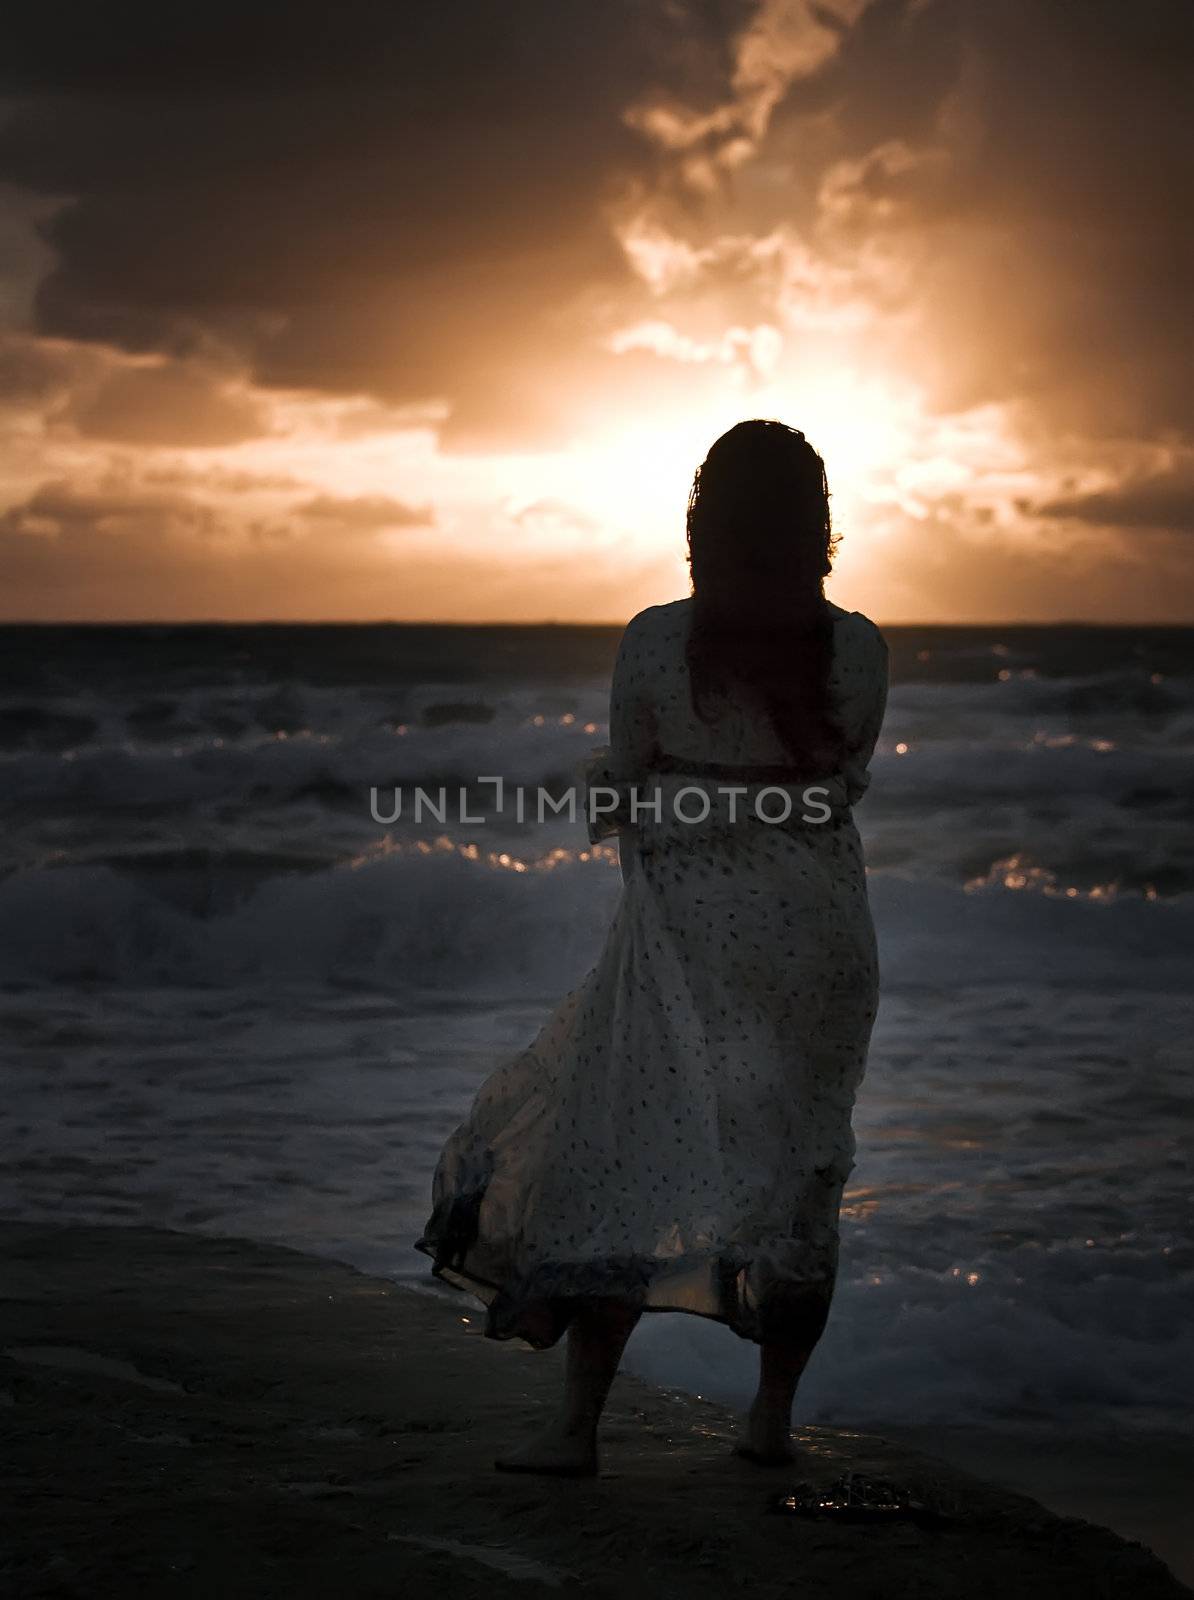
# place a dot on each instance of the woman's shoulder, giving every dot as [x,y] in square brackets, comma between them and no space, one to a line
[673,617]
[856,625]
[657,622]
[671,611]
[652,643]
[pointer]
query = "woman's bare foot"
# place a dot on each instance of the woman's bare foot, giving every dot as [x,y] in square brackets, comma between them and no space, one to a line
[766,1439]
[556,1452]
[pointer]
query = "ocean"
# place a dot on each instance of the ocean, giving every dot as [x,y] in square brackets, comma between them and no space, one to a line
[234,1002]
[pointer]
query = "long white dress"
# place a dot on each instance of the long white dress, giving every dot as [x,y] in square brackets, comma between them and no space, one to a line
[679,1133]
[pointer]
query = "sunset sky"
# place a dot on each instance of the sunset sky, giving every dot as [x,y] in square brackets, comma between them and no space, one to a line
[315,311]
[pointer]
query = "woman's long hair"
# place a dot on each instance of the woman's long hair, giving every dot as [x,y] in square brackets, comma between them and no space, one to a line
[760,544]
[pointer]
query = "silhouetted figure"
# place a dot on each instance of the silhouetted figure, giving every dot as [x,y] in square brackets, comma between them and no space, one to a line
[679,1134]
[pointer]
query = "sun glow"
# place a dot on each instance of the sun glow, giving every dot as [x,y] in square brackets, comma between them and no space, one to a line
[594,528]
[862,426]
[637,477]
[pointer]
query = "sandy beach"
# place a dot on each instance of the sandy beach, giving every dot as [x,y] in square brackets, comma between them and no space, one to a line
[196,1416]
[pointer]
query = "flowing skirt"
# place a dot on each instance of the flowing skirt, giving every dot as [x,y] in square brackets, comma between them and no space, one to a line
[679,1134]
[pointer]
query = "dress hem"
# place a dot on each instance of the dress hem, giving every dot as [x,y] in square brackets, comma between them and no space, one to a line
[446,1273]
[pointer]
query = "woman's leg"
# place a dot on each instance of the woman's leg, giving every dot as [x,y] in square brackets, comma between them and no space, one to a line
[597,1337]
[767,1437]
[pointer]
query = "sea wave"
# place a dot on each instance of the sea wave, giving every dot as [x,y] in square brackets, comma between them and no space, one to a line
[442,914]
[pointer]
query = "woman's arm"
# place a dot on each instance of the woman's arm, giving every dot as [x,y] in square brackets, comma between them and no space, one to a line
[867,723]
[632,742]
[632,726]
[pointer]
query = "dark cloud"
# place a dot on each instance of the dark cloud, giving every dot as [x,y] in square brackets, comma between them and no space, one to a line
[1162,500]
[167,404]
[37,372]
[1023,163]
[415,211]
[115,552]
[57,510]
[216,479]
[413,203]
[405,201]
[102,397]
[953,568]
[367,512]
[998,188]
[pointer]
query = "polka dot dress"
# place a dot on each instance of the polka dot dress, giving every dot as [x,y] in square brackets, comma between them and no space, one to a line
[679,1134]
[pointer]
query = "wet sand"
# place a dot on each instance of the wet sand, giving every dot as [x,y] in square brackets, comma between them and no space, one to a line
[204,1417]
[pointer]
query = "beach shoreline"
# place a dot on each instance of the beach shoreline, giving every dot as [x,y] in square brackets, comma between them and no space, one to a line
[191,1415]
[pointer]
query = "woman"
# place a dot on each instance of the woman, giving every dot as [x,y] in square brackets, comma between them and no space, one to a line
[678,1136]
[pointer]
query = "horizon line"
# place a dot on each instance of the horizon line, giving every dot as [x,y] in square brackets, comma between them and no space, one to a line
[541,622]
